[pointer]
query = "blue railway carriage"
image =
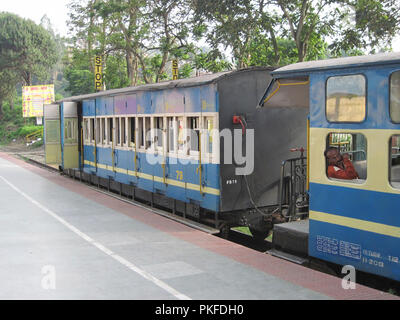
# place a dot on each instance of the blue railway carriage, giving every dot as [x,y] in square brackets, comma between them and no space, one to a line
[185,145]
[354,106]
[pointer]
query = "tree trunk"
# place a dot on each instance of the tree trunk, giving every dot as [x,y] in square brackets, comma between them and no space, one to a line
[131,66]
[1,109]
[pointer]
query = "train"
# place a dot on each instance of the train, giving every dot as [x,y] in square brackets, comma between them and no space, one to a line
[247,148]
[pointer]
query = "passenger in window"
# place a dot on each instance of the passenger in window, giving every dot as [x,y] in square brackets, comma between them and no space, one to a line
[339,166]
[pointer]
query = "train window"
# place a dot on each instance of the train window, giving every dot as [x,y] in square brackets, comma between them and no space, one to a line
[103,131]
[147,130]
[141,132]
[181,134]
[98,131]
[92,130]
[117,131]
[132,131]
[395,97]
[395,161]
[208,130]
[346,157]
[346,99]
[70,131]
[123,131]
[158,131]
[171,133]
[110,129]
[86,129]
[193,127]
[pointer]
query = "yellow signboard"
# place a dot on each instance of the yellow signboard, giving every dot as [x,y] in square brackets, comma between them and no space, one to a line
[98,73]
[175,70]
[33,99]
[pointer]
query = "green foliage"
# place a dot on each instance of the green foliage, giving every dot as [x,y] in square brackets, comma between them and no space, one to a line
[80,81]
[25,48]
[365,26]
[13,125]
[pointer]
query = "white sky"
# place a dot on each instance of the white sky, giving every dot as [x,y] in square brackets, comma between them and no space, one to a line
[57,11]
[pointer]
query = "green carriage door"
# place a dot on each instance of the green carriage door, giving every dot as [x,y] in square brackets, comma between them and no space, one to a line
[52,134]
[70,134]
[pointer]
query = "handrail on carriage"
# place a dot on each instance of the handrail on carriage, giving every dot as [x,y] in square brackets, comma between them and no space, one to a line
[298,167]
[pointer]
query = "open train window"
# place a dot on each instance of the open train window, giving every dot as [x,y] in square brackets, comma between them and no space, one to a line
[394,159]
[181,134]
[103,131]
[141,132]
[98,131]
[92,133]
[86,129]
[171,125]
[147,130]
[193,129]
[158,132]
[346,98]
[346,157]
[132,131]
[110,129]
[395,97]
[117,131]
[123,131]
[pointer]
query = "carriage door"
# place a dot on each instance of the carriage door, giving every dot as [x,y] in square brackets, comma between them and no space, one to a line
[69,135]
[52,134]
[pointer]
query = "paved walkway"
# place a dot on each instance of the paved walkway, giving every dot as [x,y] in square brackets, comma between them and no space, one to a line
[60,239]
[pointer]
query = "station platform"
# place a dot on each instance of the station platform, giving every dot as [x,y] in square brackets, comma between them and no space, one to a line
[61,239]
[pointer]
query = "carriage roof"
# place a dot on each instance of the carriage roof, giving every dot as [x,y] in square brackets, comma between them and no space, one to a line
[338,63]
[169,84]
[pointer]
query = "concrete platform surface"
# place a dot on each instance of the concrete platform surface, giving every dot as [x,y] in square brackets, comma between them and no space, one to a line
[60,239]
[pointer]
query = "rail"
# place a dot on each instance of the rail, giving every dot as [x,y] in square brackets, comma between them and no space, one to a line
[34,135]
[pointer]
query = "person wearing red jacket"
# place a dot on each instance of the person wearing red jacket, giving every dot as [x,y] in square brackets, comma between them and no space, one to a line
[340,167]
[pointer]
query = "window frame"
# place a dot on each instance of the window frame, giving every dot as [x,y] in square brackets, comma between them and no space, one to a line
[366,97]
[191,152]
[390,161]
[359,181]
[172,119]
[156,146]
[130,143]
[390,97]
[184,149]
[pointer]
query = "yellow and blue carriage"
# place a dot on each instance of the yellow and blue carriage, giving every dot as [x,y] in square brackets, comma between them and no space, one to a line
[161,144]
[354,106]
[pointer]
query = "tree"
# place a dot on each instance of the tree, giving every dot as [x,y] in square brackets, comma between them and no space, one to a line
[365,24]
[9,80]
[228,24]
[26,49]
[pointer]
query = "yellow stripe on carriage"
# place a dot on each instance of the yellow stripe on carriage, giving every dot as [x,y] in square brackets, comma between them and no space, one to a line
[171,182]
[358,224]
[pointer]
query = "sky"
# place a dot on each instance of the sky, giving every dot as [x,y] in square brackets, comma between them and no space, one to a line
[57,11]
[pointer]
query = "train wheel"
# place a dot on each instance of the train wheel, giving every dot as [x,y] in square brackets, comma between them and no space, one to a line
[224,232]
[260,235]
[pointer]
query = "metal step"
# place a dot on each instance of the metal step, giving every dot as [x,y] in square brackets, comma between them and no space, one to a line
[292,237]
[288,256]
